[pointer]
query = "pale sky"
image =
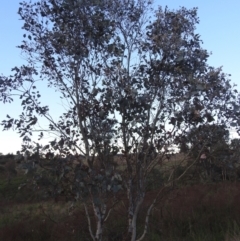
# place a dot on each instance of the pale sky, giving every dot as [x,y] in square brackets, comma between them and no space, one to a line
[219,29]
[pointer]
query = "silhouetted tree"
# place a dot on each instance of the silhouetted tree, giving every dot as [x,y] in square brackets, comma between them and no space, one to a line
[131,82]
[210,136]
[217,156]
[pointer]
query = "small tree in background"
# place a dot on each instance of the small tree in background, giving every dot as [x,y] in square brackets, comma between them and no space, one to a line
[209,135]
[213,141]
[132,85]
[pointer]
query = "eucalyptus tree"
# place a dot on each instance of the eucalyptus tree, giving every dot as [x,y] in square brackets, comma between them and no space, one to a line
[213,136]
[215,156]
[133,84]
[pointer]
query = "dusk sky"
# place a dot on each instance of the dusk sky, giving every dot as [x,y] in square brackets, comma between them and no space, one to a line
[219,29]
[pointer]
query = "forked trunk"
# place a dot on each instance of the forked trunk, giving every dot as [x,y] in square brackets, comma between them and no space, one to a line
[99,214]
[133,211]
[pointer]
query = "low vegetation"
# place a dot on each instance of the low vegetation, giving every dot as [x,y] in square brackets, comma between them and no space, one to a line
[189,211]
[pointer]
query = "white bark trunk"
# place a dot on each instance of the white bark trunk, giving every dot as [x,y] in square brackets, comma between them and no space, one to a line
[134,220]
[147,221]
[98,216]
[133,209]
[89,222]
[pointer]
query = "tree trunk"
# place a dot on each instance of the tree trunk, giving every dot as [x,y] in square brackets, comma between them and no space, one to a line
[133,210]
[134,220]
[99,214]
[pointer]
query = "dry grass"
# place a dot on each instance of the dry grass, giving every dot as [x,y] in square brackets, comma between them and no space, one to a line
[237,238]
[197,212]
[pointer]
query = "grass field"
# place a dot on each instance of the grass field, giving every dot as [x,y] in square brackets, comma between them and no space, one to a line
[190,212]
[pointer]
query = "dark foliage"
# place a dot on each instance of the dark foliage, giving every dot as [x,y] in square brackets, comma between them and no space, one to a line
[131,83]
